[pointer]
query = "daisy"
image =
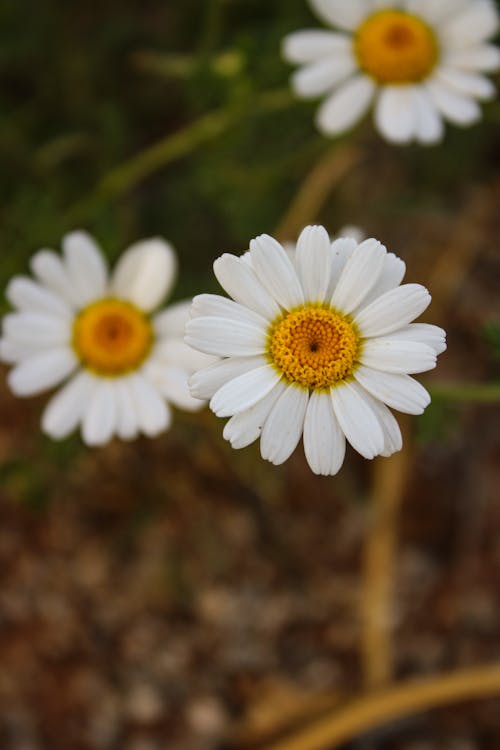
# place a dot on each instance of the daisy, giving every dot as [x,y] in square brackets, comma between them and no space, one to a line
[124,365]
[419,61]
[317,346]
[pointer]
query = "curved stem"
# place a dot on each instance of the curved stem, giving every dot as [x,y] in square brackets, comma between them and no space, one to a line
[373,711]
[209,127]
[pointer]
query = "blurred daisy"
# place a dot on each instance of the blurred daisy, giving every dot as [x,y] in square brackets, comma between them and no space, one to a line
[124,365]
[418,61]
[317,347]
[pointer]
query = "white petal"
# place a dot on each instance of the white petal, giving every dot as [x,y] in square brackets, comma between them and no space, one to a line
[466,83]
[423,333]
[41,371]
[459,109]
[347,14]
[244,391]
[37,330]
[309,45]
[393,310]
[400,392]
[324,441]
[394,355]
[145,273]
[244,428]
[360,274]
[435,11]
[101,416]
[66,408]
[207,305]
[175,353]
[429,123]
[314,260]
[12,352]
[323,75]
[127,426]
[391,276]
[357,420]
[483,58]
[393,440]
[240,281]
[153,415]
[395,113]
[27,295]
[346,106]
[275,271]
[204,383]
[50,270]
[225,338]
[85,266]
[474,23]
[172,321]
[342,250]
[172,383]
[283,427]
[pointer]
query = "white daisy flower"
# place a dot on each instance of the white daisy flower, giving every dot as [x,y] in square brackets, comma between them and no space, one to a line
[318,347]
[124,364]
[419,61]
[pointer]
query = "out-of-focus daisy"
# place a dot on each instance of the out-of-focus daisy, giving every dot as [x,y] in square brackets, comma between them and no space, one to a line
[418,61]
[318,347]
[124,364]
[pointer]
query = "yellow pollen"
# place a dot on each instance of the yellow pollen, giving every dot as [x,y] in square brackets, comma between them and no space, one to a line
[396,47]
[112,337]
[315,347]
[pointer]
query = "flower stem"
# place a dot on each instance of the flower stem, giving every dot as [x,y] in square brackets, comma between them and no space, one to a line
[373,711]
[126,176]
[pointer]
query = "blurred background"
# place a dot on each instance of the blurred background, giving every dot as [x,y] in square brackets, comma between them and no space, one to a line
[174,594]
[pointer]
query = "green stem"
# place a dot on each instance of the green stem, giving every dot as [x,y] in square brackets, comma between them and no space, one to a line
[475,392]
[209,127]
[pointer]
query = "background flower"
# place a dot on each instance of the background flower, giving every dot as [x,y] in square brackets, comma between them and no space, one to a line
[317,346]
[417,61]
[125,365]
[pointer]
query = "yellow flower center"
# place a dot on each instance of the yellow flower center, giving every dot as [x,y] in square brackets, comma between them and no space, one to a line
[314,347]
[112,337]
[396,47]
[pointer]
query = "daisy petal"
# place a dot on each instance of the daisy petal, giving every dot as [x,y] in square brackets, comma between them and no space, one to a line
[459,109]
[153,414]
[275,271]
[393,440]
[172,321]
[172,384]
[346,15]
[100,417]
[429,123]
[283,427]
[467,84]
[309,45]
[324,441]
[12,352]
[244,428]
[175,353]
[395,114]
[145,273]
[127,426]
[41,371]
[400,392]
[321,76]
[423,333]
[346,106]
[204,383]
[342,250]
[393,355]
[37,329]
[476,22]
[206,305]
[391,276]
[224,337]
[240,281]
[65,409]
[484,58]
[51,272]
[393,310]
[359,275]
[85,266]
[357,420]
[244,391]
[314,263]
[27,295]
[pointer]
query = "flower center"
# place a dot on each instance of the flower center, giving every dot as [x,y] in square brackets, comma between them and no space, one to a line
[314,348]
[112,337]
[396,47]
